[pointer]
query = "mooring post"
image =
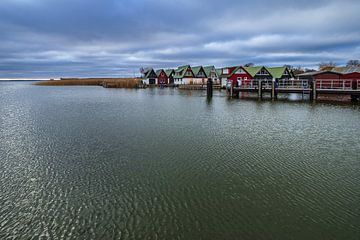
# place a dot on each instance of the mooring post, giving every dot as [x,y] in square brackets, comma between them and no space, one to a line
[354,98]
[312,90]
[260,89]
[273,89]
[209,89]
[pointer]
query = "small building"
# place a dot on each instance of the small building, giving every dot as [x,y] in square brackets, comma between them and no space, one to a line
[183,75]
[239,76]
[199,75]
[350,72]
[212,74]
[259,73]
[162,77]
[324,79]
[320,75]
[225,74]
[150,77]
[170,74]
[281,73]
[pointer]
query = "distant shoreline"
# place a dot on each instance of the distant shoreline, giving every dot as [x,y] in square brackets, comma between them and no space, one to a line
[105,82]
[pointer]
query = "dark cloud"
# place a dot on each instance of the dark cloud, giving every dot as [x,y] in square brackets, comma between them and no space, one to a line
[56,38]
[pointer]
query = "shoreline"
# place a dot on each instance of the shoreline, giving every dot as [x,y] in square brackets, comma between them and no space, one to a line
[105,82]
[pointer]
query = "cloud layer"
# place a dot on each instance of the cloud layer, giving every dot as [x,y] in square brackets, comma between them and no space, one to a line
[62,38]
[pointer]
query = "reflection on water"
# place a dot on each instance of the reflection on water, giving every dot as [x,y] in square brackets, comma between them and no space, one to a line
[94,163]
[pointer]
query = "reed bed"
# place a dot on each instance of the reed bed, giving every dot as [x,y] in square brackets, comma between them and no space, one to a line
[106,82]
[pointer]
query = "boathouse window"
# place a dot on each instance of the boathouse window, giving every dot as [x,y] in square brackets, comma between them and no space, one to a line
[225,71]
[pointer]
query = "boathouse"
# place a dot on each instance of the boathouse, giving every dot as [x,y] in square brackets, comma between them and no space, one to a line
[259,73]
[199,75]
[183,75]
[150,77]
[318,75]
[170,74]
[350,72]
[162,77]
[211,73]
[280,73]
[225,74]
[240,76]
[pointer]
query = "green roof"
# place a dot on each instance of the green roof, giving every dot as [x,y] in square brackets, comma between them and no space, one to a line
[208,70]
[253,70]
[169,72]
[196,70]
[180,72]
[219,72]
[277,72]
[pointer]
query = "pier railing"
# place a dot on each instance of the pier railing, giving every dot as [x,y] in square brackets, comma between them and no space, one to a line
[325,84]
[293,84]
[336,84]
[267,84]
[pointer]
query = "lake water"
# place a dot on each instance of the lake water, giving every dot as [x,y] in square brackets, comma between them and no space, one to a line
[95,163]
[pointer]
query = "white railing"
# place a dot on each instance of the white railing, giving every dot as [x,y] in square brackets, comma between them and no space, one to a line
[267,84]
[302,84]
[336,84]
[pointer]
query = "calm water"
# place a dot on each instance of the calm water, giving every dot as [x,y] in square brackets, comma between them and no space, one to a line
[94,163]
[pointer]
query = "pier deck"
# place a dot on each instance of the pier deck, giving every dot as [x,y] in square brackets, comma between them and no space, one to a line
[313,88]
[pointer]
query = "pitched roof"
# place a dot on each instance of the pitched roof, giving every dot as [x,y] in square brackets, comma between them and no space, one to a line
[169,72]
[219,72]
[347,70]
[277,72]
[317,73]
[180,71]
[159,71]
[208,70]
[196,69]
[147,73]
[253,70]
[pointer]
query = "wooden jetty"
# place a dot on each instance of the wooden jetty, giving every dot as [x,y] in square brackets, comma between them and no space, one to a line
[197,87]
[313,88]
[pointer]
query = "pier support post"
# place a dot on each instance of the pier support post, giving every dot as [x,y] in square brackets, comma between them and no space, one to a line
[313,93]
[260,89]
[273,90]
[209,89]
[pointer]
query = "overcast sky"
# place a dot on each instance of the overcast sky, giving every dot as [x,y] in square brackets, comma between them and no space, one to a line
[63,38]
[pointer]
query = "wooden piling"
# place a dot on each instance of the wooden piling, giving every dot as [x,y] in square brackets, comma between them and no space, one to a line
[209,89]
[260,89]
[313,93]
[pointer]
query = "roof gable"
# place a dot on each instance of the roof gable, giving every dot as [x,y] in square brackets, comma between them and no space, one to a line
[150,74]
[181,71]
[198,70]
[278,72]
[210,69]
[158,72]
[253,70]
[169,72]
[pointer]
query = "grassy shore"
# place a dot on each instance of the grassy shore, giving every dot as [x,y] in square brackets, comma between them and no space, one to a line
[107,82]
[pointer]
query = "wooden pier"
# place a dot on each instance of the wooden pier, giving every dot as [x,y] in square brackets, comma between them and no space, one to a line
[305,87]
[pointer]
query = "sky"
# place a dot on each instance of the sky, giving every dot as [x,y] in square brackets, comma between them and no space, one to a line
[114,38]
